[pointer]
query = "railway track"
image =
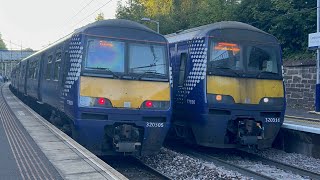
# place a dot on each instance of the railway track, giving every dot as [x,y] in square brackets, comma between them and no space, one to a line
[220,162]
[133,168]
[281,165]
[224,158]
[265,161]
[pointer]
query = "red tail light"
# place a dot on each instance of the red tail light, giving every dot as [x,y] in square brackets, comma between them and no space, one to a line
[148,104]
[101,101]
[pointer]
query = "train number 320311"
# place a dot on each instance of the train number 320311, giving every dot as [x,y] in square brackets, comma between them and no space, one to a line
[155,125]
[272,120]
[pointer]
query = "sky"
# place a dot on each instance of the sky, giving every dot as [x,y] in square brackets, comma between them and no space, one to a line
[37,23]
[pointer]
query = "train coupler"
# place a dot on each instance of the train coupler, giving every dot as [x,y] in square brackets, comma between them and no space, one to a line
[126,138]
[249,131]
[127,146]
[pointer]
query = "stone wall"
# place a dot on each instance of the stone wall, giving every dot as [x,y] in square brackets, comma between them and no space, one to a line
[300,82]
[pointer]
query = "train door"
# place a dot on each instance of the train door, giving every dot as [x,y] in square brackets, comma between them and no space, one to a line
[18,74]
[47,86]
[62,75]
[40,77]
[55,80]
[26,77]
[182,57]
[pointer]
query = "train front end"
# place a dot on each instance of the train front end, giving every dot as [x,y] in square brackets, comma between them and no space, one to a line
[123,104]
[245,91]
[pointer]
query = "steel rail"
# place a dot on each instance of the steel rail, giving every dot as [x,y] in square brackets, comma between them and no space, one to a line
[281,165]
[220,162]
[153,170]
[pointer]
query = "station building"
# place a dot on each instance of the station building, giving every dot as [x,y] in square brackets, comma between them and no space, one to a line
[9,58]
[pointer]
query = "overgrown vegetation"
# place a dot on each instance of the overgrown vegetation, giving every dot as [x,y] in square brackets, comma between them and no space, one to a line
[289,20]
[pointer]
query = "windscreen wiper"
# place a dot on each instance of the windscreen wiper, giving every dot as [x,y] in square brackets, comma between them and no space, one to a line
[223,67]
[266,72]
[108,70]
[150,73]
[150,65]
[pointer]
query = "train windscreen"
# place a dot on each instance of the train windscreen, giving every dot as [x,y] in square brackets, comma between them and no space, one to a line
[147,58]
[139,60]
[104,54]
[260,60]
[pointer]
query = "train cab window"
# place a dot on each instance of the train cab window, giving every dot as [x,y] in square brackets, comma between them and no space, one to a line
[225,55]
[48,70]
[147,58]
[182,68]
[262,59]
[105,55]
[57,66]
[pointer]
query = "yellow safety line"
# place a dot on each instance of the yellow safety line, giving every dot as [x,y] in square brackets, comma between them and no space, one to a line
[296,117]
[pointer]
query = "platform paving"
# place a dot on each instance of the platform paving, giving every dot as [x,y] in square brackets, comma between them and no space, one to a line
[60,156]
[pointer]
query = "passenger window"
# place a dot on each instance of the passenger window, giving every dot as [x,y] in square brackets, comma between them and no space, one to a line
[182,69]
[57,66]
[48,70]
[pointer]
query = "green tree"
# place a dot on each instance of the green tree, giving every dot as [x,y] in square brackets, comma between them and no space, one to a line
[289,21]
[100,17]
[175,15]
[133,10]
[2,44]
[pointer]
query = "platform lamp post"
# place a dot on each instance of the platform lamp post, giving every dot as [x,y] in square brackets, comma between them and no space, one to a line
[157,22]
[314,44]
[317,103]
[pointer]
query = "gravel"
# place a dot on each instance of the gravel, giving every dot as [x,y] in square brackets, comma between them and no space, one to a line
[298,160]
[257,166]
[180,166]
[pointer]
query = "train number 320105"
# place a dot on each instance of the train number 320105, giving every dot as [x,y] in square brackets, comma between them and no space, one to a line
[272,120]
[155,125]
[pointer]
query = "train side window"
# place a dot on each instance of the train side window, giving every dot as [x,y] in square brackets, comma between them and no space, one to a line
[182,69]
[57,66]
[49,64]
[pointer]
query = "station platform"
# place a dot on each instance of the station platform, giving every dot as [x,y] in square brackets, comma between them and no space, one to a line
[300,133]
[302,120]
[32,148]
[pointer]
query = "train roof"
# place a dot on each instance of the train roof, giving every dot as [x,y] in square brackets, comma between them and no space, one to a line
[115,23]
[203,30]
[121,23]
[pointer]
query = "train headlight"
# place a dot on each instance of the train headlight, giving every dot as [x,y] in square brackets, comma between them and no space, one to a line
[220,99]
[272,101]
[86,101]
[150,104]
